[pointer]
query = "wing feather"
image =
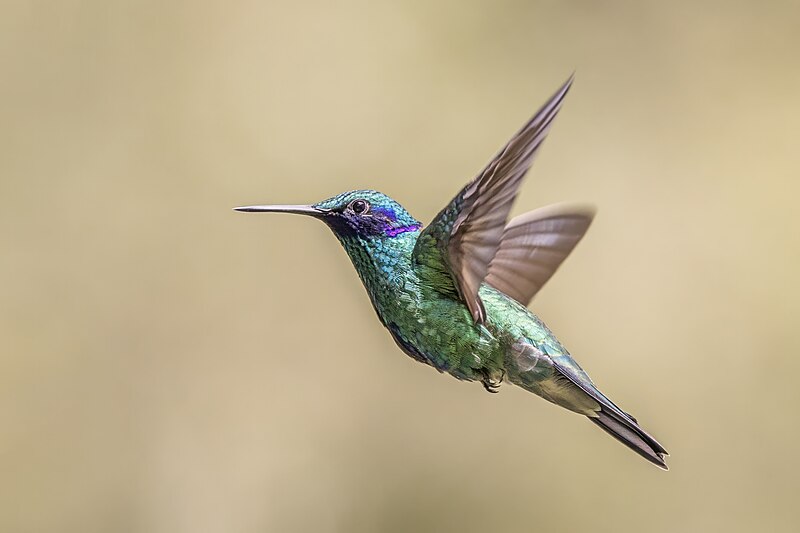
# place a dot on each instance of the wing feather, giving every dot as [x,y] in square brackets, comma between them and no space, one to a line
[533,246]
[468,232]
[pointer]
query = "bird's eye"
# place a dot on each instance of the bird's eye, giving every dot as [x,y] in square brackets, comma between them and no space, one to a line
[359,207]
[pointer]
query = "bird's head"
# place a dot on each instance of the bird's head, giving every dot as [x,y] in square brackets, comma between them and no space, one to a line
[362,214]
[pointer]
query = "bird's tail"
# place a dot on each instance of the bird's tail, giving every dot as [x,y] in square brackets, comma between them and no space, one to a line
[627,431]
[560,380]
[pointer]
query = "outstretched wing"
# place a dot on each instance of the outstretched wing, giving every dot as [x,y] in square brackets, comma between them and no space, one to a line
[465,235]
[533,246]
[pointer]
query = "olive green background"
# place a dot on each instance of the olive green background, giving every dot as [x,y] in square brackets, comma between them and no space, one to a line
[169,365]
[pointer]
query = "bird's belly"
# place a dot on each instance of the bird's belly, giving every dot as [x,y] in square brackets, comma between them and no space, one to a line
[442,334]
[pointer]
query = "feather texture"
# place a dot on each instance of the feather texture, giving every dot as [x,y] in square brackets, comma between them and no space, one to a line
[631,435]
[533,246]
[468,232]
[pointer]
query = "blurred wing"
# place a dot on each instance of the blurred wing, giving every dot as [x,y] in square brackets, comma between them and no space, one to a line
[533,247]
[467,233]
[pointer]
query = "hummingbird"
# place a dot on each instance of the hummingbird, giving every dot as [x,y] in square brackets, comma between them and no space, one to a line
[454,294]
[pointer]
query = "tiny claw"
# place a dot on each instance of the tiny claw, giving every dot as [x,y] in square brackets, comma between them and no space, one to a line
[491,387]
[490,384]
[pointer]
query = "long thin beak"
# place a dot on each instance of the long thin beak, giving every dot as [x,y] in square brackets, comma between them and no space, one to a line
[296,209]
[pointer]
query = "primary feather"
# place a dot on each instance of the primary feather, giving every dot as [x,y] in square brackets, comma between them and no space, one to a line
[468,232]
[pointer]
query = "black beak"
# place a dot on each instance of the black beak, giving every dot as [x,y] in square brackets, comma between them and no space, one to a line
[296,209]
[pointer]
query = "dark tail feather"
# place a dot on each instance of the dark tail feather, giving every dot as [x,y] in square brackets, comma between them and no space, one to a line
[632,436]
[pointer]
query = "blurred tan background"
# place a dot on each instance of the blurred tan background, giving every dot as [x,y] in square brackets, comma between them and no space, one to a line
[169,365]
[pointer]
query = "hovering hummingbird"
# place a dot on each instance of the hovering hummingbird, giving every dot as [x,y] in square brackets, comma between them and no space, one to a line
[453,294]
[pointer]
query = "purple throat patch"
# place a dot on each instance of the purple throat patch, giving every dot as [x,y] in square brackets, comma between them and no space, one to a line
[394,232]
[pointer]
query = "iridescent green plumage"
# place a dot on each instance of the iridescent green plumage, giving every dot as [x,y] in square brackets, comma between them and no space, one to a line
[454,295]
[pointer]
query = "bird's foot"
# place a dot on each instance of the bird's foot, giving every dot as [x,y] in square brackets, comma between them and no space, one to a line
[491,382]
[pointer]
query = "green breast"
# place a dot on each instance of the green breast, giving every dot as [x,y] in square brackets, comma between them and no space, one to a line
[432,324]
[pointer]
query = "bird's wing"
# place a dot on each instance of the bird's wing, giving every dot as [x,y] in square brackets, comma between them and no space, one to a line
[533,246]
[465,235]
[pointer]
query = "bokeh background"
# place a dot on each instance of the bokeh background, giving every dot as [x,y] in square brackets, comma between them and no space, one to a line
[169,365]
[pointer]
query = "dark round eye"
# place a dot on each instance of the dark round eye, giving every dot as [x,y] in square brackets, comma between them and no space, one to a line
[359,207]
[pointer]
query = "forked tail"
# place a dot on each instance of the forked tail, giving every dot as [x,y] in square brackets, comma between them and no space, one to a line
[561,380]
[626,430]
